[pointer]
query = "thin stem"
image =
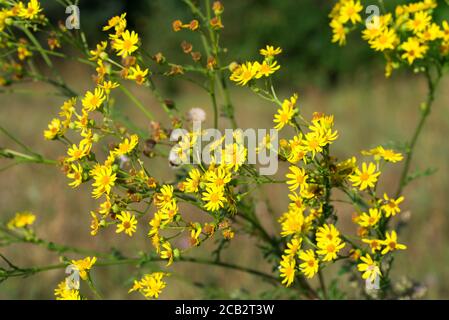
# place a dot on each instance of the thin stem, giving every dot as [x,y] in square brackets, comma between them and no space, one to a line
[425,112]
[139,104]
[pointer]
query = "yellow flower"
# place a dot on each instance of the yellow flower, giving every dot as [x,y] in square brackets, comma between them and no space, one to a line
[214,198]
[168,212]
[445,30]
[297,178]
[327,232]
[267,68]
[54,129]
[98,52]
[270,51]
[150,285]
[167,253]
[293,247]
[126,146]
[78,152]
[391,206]
[391,243]
[127,44]
[367,177]
[63,292]
[104,181]
[128,223]
[245,73]
[76,173]
[432,33]
[413,50]
[21,220]
[234,155]
[285,113]
[291,222]
[338,32]
[369,268]
[23,52]
[287,270]
[350,11]
[84,265]
[419,22]
[137,74]
[94,225]
[310,265]
[92,101]
[193,181]
[375,244]
[387,39]
[329,248]
[371,219]
[31,11]
[115,21]
[165,197]
[218,178]
[314,142]
[108,85]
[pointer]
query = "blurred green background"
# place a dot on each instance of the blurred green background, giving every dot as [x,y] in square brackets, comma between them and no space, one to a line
[347,82]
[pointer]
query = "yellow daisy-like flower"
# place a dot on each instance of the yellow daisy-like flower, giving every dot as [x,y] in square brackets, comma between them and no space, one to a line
[349,11]
[369,268]
[287,270]
[137,74]
[375,244]
[63,292]
[127,224]
[419,22]
[193,181]
[218,178]
[387,39]
[292,222]
[164,197]
[76,173]
[127,44]
[413,50]
[297,178]
[367,177]
[167,253]
[327,232]
[338,32]
[54,129]
[214,198]
[293,247]
[391,243]
[245,73]
[267,69]
[371,219]
[93,101]
[84,265]
[21,220]
[285,113]
[391,206]
[310,265]
[78,152]
[126,146]
[150,285]
[104,181]
[31,10]
[330,248]
[270,51]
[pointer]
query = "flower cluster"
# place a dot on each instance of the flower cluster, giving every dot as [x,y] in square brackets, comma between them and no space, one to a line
[409,35]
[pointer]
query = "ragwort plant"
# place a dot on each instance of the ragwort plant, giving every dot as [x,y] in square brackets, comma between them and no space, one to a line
[309,238]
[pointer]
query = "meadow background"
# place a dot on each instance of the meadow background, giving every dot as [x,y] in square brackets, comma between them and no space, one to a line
[347,82]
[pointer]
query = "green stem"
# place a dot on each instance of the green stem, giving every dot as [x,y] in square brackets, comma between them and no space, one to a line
[425,112]
[139,104]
